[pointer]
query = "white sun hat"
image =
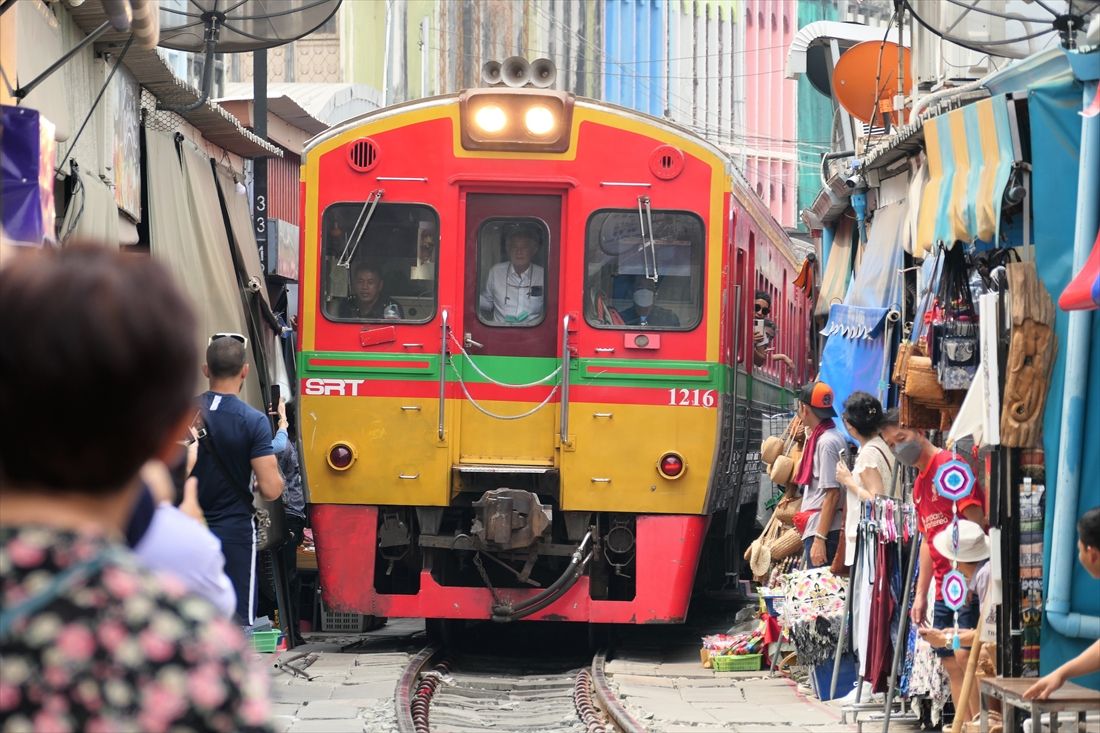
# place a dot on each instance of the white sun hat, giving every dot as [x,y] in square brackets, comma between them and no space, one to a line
[973,542]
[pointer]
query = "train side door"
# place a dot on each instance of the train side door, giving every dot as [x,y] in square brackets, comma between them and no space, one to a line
[510,327]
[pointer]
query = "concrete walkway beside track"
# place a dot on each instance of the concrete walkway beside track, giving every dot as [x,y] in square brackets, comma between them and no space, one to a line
[656,672]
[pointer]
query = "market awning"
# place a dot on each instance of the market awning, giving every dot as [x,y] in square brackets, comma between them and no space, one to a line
[970,156]
[855,353]
[838,269]
[876,283]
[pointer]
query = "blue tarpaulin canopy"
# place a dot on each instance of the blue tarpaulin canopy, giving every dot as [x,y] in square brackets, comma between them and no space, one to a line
[855,352]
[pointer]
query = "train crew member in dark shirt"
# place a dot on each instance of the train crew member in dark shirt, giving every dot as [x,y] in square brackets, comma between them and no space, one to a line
[645,312]
[368,299]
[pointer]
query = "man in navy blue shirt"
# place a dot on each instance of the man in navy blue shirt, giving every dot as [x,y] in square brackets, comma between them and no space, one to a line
[237,444]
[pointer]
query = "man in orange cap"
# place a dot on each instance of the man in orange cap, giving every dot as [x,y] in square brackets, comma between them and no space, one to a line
[821,493]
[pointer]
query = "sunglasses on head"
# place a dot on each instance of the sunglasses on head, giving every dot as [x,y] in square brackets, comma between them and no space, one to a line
[235,336]
[763,309]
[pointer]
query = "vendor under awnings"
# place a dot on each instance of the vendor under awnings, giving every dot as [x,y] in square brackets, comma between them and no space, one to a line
[970,157]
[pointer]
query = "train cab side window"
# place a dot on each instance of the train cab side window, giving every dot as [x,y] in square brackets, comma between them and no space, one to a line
[511,256]
[654,285]
[391,272]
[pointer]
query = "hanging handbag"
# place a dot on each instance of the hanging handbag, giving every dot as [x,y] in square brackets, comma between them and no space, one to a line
[922,382]
[270,515]
[956,352]
[901,363]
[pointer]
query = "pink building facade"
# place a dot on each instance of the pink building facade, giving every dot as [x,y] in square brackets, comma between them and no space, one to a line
[767,143]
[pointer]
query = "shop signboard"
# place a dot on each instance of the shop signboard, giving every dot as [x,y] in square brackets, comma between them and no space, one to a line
[125,99]
[282,249]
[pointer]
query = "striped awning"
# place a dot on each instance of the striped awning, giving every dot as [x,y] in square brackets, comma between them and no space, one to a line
[970,156]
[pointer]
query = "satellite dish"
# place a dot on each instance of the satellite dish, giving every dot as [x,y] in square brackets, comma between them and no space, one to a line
[237,26]
[865,80]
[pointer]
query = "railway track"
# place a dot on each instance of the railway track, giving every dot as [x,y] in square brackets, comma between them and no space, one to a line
[443,693]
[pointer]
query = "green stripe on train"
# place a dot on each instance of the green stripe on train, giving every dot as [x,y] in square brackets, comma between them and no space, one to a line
[517,370]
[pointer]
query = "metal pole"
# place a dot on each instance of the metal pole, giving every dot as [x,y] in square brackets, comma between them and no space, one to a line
[259,165]
[280,578]
[903,630]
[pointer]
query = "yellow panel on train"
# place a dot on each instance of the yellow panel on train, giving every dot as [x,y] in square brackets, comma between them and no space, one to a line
[615,465]
[399,459]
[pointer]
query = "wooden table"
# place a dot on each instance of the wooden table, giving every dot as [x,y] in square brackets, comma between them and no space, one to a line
[1069,698]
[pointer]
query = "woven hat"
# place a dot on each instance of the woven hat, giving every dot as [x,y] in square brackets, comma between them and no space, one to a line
[782,470]
[973,542]
[770,449]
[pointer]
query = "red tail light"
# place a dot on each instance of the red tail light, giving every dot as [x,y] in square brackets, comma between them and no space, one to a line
[671,465]
[341,456]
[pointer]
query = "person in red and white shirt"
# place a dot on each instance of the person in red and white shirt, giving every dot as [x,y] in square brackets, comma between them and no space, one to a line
[935,514]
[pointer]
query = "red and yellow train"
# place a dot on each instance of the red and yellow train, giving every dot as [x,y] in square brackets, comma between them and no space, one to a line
[496,420]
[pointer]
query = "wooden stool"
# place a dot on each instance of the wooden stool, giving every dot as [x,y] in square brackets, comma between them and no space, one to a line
[1069,698]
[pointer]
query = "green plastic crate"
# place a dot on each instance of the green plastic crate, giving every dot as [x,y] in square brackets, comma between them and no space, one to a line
[266,641]
[736,662]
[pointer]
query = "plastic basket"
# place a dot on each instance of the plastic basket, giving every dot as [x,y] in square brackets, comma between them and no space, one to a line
[266,641]
[737,662]
[337,621]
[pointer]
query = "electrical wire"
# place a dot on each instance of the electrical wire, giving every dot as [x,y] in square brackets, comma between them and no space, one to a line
[87,117]
[979,48]
[878,70]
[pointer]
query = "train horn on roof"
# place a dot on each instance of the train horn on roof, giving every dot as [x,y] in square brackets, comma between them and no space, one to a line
[515,71]
[491,72]
[543,73]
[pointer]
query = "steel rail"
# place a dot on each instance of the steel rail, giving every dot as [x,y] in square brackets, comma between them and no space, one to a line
[406,688]
[608,700]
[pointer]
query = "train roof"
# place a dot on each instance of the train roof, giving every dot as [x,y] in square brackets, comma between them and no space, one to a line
[741,188]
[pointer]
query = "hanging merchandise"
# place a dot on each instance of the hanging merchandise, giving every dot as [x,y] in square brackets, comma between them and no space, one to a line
[954,480]
[813,611]
[955,341]
[1031,558]
[924,403]
[1031,352]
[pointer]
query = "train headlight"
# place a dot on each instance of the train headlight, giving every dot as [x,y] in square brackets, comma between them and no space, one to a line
[539,120]
[490,118]
[516,120]
[341,456]
[671,465]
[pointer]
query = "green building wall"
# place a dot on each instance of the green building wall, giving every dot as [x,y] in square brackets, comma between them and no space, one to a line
[815,113]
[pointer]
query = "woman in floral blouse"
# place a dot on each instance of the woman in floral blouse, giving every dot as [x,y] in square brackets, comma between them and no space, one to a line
[97,372]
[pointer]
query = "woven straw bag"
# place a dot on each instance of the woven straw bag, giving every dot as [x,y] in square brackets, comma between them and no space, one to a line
[901,363]
[786,509]
[917,414]
[922,382]
[786,545]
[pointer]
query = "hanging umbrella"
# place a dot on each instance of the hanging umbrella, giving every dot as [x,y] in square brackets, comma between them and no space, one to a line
[1083,291]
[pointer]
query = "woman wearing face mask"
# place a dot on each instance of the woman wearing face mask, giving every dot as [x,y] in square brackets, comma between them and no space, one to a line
[935,514]
[864,418]
[644,312]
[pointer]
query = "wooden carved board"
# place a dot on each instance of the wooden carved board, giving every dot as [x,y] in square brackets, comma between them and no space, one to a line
[1031,352]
